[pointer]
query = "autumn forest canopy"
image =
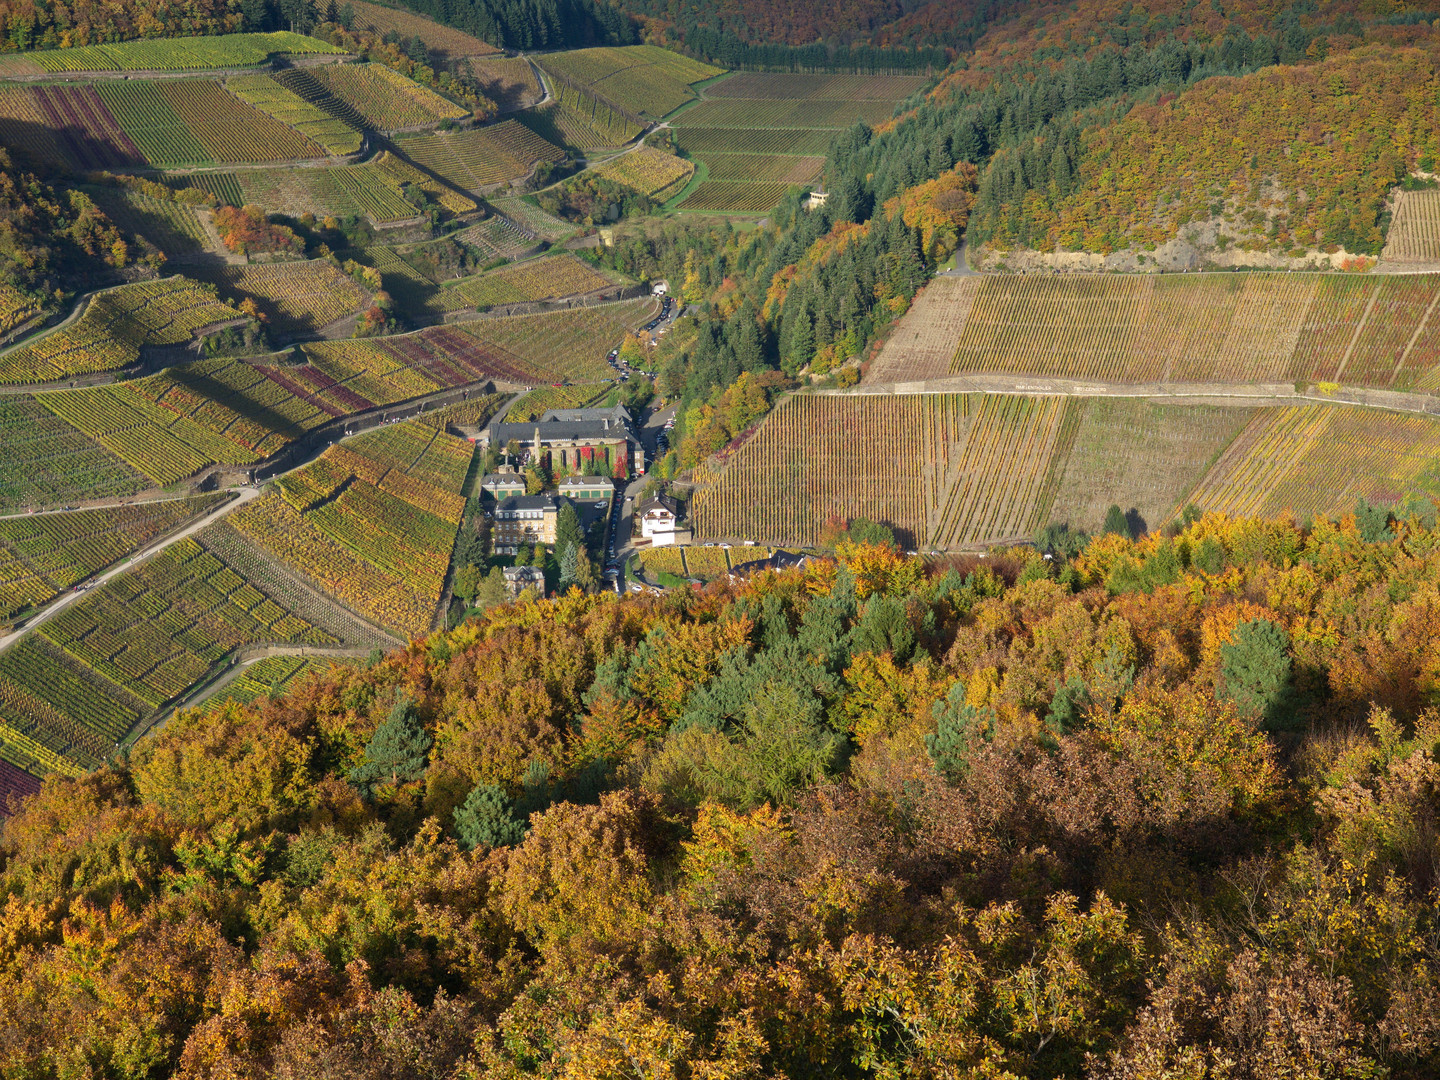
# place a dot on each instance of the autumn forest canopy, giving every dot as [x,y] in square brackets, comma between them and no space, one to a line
[1156,807]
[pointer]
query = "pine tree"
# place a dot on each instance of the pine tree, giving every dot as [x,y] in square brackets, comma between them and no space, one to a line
[568,564]
[567,528]
[959,727]
[397,752]
[1115,522]
[802,343]
[1255,670]
[486,820]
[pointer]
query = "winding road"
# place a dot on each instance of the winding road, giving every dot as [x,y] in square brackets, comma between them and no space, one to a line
[67,598]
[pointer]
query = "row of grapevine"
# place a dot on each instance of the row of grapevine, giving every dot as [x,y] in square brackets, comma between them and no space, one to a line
[180,54]
[48,462]
[705,141]
[1320,459]
[813,458]
[156,631]
[44,554]
[196,122]
[385,100]
[536,403]
[509,81]
[297,541]
[1414,235]
[77,685]
[1141,455]
[114,327]
[406,176]
[785,168]
[648,171]
[173,227]
[766,86]
[168,426]
[922,345]
[295,298]
[562,345]
[780,113]
[272,676]
[639,79]
[262,92]
[539,279]
[1258,327]
[381,509]
[15,308]
[993,484]
[480,158]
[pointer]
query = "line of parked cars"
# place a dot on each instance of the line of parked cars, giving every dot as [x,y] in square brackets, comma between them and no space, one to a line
[612,568]
[664,314]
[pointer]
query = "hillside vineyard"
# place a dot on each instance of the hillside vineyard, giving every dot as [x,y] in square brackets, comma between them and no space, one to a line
[1378,331]
[618,539]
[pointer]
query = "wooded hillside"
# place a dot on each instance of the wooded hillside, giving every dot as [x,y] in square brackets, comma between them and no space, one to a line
[1159,808]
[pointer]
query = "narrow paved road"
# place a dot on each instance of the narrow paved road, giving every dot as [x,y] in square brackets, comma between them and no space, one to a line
[68,598]
[1237,394]
[236,670]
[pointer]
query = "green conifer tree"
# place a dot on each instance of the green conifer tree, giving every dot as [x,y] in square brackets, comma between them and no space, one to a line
[397,753]
[486,819]
[1115,522]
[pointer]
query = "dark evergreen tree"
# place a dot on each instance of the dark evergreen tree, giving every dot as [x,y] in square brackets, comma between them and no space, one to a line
[1255,671]
[959,726]
[1117,523]
[486,819]
[398,751]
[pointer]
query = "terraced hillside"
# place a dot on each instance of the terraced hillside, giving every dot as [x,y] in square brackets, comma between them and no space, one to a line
[75,688]
[371,522]
[1379,331]
[115,325]
[760,133]
[479,159]
[634,83]
[43,555]
[161,54]
[951,471]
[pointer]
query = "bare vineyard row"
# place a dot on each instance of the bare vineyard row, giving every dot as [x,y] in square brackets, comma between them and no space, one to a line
[953,471]
[1262,328]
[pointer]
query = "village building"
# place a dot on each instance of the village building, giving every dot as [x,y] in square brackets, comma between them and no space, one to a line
[520,578]
[587,441]
[525,519]
[660,521]
[503,485]
[587,488]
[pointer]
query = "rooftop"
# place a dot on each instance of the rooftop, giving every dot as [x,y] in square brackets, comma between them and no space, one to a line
[528,502]
[603,430]
[586,482]
[616,414]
